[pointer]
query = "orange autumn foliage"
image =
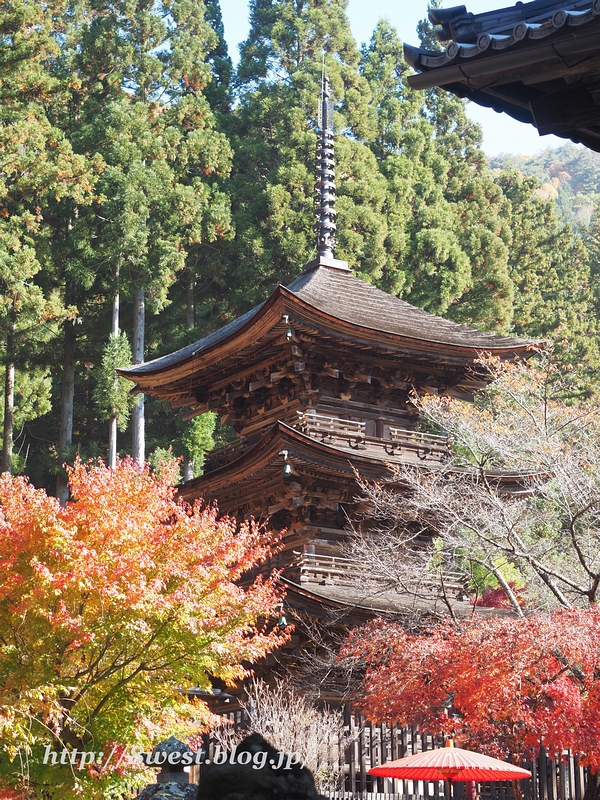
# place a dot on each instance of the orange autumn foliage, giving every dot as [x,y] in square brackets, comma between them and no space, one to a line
[500,685]
[113,604]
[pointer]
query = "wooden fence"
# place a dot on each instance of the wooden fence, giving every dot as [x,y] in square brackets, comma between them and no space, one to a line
[343,795]
[372,745]
[378,744]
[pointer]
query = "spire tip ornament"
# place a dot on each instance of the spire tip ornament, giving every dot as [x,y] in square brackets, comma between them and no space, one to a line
[325,213]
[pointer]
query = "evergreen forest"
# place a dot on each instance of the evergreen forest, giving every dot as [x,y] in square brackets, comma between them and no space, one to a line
[150,193]
[568,174]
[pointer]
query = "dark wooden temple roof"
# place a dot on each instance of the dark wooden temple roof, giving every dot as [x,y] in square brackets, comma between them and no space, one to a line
[260,468]
[539,62]
[334,301]
[264,462]
[359,603]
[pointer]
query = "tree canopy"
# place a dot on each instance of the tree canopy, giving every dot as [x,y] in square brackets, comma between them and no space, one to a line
[110,608]
[507,530]
[502,686]
[141,172]
[515,507]
[149,194]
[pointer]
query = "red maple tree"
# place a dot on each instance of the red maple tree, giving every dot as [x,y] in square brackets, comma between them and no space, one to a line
[502,685]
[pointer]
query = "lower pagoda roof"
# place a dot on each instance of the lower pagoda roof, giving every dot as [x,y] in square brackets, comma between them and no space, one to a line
[333,304]
[262,465]
[259,470]
[539,62]
[357,604]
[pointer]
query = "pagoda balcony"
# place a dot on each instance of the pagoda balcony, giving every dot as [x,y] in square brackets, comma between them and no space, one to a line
[321,569]
[396,445]
[324,569]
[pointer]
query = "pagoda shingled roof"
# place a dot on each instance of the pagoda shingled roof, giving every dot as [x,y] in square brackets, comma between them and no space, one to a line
[334,299]
[282,443]
[279,443]
[539,62]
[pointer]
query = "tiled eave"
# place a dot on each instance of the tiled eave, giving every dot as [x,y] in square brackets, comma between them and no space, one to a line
[538,62]
[569,23]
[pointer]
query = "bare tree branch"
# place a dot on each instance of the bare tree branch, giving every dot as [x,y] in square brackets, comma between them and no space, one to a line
[515,509]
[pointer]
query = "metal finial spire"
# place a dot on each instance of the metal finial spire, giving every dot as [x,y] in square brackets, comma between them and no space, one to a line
[325,184]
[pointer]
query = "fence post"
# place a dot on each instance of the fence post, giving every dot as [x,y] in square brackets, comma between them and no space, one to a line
[362,754]
[580,782]
[553,787]
[563,779]
[542,775]
[349,719]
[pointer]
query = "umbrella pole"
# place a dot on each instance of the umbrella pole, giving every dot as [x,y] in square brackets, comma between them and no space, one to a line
[470,790]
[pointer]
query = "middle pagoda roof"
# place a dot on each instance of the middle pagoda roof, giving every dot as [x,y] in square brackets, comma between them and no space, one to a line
[337,310]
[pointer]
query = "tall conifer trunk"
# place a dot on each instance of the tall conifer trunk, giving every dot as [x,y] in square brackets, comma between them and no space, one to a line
[139,318]
[190,300]
[112,423]
[9,401]
[66,408]
[188,464]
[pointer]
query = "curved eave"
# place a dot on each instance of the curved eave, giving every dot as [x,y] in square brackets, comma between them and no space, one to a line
[191,360]
[256,330]
[267,454]
[311,599]
[267,451]
[358,605]
[493,64]
[416,344]
[496,47]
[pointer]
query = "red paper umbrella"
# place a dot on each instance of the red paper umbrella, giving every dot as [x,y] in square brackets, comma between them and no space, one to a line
[450,764]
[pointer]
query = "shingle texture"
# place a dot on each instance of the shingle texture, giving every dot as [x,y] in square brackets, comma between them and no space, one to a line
[346,297]
[343,296]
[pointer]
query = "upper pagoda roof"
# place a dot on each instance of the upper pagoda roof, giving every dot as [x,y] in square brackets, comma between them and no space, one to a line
[539,62]
[328,298]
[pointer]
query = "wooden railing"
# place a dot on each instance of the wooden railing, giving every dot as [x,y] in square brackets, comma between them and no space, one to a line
[330,429]
[339,570]
[329,569]
[402,436]
[402,444]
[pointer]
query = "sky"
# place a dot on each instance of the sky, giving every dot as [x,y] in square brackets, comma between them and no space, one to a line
[501,134]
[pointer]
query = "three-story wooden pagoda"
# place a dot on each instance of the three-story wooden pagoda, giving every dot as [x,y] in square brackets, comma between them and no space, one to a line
[317,384]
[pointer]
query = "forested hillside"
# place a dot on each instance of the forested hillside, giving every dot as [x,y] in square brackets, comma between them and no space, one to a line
[149,194]
[569,174]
